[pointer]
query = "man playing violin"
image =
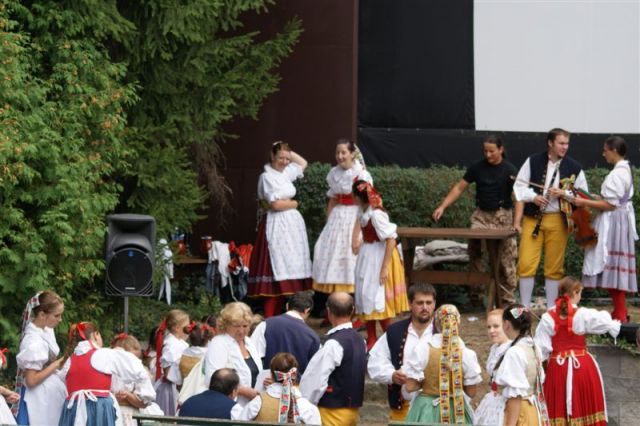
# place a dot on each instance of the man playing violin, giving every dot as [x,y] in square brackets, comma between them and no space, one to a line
[538,217]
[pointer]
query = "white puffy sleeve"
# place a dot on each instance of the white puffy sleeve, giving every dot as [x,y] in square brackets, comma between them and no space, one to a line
[544,333]
[472,372]
[512,374]
[119,363]
[384,228]
[174,375]
[327,359]
[417,361]
[331,193]
[268,188]
[308,412]
[592,321]
[379,365]
[523,191]
[33,354]
[145,391]
[615,186]
[258,339]
[293,171]
[250,411]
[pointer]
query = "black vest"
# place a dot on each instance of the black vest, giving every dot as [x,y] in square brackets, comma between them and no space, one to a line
[284,333]
[537,165]
[346,382]
[396,338]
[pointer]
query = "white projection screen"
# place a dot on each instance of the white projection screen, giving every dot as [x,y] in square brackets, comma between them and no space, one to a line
[571,64]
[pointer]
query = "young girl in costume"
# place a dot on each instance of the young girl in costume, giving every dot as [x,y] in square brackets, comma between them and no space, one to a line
[333,259]
[281,401]
[561,338]
[170,344]
[519,373]
[491,408]
[380,291]
[6,396]
[42,392]
[133,398]
[280,264]
[445,371]
[88,373]
[199,336]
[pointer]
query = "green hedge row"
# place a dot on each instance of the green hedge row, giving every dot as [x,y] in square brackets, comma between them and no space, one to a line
[411,195]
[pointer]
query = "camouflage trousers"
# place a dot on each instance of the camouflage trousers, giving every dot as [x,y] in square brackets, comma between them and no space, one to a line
[501,218]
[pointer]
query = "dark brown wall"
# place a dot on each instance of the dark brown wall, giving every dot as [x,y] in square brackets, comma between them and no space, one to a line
[315,105]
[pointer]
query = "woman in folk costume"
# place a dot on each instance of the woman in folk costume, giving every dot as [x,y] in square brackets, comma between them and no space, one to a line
[281,401]
[333,259]
[6,395]
[519,373]
[133,398]
[41,390]
[573,387]
[88,374]
[490,411]
[445,371]
[380,291]
[611,263]
[169,349]
[280,264]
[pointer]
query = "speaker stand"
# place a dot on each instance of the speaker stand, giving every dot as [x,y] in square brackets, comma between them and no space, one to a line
[126,314]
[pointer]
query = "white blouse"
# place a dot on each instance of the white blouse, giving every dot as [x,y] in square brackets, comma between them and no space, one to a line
[274,185]
[309,413]
[341,180]
[495,353]
[380,221]
[585,321]
[617,183]
[417,361]
[37,348]
[512,373]
[175,375]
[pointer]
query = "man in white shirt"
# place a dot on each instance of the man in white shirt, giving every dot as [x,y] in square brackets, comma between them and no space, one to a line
[545,224]
[335,375]
[388,354]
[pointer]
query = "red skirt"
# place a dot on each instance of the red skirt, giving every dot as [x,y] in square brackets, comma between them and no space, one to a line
[261,282]
[587,395]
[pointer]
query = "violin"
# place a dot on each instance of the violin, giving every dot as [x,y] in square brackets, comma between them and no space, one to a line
[584,233]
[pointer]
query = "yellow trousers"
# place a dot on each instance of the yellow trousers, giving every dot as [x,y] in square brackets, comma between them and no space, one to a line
[339,416]
[401,414]
[528,415]
[552,239]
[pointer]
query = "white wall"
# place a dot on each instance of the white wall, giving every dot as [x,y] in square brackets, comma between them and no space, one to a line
[557,63]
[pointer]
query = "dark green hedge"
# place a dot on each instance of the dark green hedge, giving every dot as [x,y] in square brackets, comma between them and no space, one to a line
[410,195]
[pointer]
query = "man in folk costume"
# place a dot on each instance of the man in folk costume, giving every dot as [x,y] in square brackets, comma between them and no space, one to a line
[546,223]
[335,375]
[397,344]
[288,333]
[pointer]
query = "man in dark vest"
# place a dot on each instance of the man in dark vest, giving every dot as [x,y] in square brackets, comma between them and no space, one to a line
[288,333]
[217,402]
[335,375]
[544,226]
[394,346]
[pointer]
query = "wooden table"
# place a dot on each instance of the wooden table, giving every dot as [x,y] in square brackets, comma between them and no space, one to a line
[494,239]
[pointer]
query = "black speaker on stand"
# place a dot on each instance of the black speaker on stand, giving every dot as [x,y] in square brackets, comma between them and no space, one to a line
[130,257]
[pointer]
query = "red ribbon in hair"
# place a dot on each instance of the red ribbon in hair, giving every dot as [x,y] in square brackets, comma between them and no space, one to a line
[188,329]
[375,200]
[121,336]
[80,327]
[3,357]
[159,344]
[570,312]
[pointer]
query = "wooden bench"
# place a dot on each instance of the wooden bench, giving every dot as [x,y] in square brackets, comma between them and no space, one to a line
[144,420]
[494,239]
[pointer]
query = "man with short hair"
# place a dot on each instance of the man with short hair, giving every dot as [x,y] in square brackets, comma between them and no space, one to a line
[546,217]
[217,402]
[388,354]
[335,375]
[288,333]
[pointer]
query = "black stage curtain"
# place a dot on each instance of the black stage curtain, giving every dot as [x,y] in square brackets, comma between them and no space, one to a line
[424,147]
[415,64]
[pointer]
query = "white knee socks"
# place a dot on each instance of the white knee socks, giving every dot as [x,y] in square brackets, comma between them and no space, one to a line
[526,290]
[551,289]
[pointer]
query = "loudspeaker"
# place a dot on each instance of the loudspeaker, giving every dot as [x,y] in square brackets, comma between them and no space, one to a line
[130,255]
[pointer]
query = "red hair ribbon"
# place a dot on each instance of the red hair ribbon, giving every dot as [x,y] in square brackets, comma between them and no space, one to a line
[570,312]
[121,336]
[81,327]
[3,357]
[159,344]
[190,327]
[375,200]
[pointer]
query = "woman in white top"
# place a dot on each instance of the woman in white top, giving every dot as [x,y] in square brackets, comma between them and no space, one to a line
[6,396]
[281,401]
[611,263]
[490,411]
[42,390]
[333,259]
[519,374]
[233,349]
[280,264]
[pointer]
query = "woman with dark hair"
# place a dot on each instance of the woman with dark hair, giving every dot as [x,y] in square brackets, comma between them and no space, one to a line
[611,263]
[380,290]
[280,263]
[519,373]
[333,260]
[492,176]
[573,387]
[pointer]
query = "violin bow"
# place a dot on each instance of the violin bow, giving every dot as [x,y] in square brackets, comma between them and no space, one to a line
[517,179]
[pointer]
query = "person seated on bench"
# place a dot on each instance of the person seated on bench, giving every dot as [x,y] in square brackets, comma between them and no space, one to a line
[217,402]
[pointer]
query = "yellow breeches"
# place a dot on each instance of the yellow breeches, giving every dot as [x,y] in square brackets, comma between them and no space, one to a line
[552,239]
[339,416]
[401,414]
